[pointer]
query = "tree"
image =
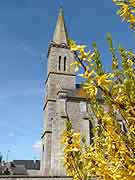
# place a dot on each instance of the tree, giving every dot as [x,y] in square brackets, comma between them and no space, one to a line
[111,155]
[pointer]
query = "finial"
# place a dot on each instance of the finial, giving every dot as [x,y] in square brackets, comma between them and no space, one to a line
[61,12]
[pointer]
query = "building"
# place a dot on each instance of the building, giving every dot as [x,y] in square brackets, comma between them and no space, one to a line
[20,167]
[64,99]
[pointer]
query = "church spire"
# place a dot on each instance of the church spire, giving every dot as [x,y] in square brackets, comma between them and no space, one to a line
[60,34]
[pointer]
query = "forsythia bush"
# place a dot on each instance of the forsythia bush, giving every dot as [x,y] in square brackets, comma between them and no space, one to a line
[126,11]
[111,155]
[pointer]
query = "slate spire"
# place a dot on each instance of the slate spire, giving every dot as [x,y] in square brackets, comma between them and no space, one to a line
[60,34]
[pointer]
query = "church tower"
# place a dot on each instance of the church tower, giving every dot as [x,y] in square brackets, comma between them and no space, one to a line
[60,76]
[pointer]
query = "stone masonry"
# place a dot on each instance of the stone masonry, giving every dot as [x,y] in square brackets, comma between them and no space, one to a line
[62,100]
[34,178]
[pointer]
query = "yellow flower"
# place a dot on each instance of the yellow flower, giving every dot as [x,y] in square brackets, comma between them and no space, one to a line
[131,18]
[125,12]
[76,136]
[91,56]
[132,2]
[132,128]
[91,90]
[115,64]
[72,148]
[83,54]
[75,47]
[87,74]
[130,62]
[77,65]
[103,80]
[80,48]
[131,54]
[120,99]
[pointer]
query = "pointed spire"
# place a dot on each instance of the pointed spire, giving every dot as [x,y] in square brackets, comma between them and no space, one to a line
[60,34]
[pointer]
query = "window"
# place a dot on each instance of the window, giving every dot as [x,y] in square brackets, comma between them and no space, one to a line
[65,63]
[83,106]
[59,62]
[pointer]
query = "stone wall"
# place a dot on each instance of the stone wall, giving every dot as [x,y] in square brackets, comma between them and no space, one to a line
[35,178]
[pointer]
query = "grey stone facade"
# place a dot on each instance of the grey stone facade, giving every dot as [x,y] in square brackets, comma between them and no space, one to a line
[62,100]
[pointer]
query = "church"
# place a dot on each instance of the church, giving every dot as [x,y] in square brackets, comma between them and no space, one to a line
[63,99]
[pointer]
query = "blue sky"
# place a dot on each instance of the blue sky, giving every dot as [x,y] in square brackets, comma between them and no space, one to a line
[26,27]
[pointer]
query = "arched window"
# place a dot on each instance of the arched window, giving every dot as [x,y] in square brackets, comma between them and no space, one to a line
[59,63]
[65,63]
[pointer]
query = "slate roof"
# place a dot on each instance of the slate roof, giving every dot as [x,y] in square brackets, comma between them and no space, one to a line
[80,93]
[29,164]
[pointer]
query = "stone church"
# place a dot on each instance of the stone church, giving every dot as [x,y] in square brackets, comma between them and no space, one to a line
[63,98]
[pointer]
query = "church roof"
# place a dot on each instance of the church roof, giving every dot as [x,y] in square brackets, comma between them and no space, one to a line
[80,93]
[29,164]
[77,93]
[60,34]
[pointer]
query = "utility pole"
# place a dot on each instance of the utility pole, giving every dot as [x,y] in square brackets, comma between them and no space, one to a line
[7,155]
[0,163]
[0,158]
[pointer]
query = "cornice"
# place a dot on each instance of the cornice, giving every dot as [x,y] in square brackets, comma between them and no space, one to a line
[59,73]
[52,100]
[49,132]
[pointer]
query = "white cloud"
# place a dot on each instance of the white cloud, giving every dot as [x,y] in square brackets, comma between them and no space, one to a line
[37,145]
